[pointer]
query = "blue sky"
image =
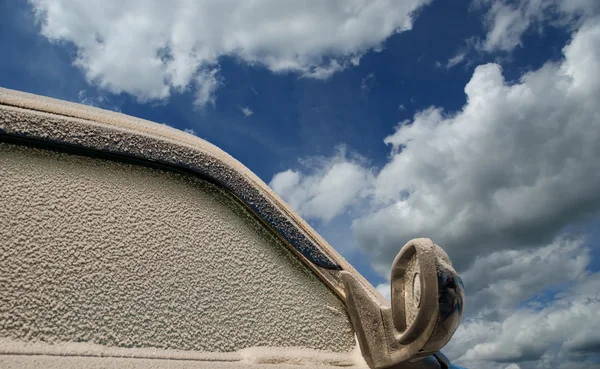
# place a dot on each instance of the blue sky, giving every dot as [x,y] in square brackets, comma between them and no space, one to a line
[474,123]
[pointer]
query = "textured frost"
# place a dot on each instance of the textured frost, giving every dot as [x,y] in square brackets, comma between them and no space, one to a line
[120,255]
[81,125]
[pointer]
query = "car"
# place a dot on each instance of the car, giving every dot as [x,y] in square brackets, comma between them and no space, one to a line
[127,243]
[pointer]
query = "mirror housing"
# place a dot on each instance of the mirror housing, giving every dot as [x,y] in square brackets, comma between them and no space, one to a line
[427,298]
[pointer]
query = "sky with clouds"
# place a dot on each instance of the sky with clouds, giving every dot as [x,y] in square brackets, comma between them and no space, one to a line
[474,123]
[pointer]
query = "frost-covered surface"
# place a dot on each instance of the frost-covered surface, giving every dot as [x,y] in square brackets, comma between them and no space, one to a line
[34,354]
[75,124]
[150,141]
[62,362]
[119,255]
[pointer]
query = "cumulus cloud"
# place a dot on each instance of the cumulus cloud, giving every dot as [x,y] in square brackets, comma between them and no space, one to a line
[509,170]
[497,283]
[517,320]
[496,184]
[151,49]
[513,167]
[561,333]
[328,188]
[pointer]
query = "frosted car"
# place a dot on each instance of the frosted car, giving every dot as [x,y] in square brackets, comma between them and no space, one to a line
[125,243]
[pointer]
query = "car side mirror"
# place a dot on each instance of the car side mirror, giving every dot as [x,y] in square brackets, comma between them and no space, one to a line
[427,298]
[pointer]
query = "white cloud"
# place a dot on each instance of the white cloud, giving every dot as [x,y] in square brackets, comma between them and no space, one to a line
[190,131]
[325,71]
[510,170]
[207,82]
[329,188]
[96,100]
[366,82]
[496,183]
[385,290]
[511,324]
[246,111]
[506,24]
[507,21]
[151,49]
[563,330]
[86,99]
[455,60]
[498,282]
[513,167]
